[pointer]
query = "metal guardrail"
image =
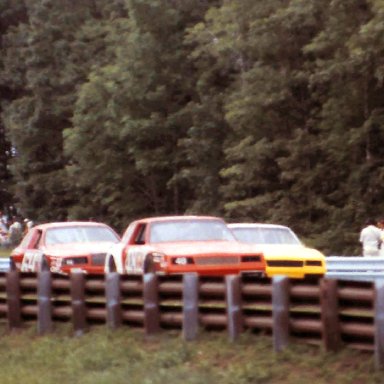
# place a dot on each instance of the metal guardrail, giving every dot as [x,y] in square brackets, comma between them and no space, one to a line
[357,268]
[322,312]
[5,264]
[354,268]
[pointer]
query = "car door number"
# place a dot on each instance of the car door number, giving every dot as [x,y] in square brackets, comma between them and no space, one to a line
[134,261]
[31,261]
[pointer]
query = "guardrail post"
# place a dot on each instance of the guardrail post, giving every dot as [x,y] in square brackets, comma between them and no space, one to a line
[12,264]
[190,306]
[44,265]
[113,296]
[44,294]
[79,309]
[280,312]
[379,323]
[330,332]
[233,301]
[13,298]
[151,303]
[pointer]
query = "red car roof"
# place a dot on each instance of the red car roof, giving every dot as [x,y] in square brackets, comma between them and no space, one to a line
[69,224]
[179,217]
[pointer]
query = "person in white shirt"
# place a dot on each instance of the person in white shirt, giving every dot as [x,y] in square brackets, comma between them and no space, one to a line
[28,224]
[3,233]
[380,224]
[370,239]
[15,232]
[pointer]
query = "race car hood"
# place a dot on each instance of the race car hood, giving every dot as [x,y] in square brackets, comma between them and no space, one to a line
[77,249]
[196,248]
[279,251]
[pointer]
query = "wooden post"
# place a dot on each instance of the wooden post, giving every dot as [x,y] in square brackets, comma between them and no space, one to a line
[379,323]
[280,312]
[151,304]
[233,301]
[190,306]
[79,309]
[44,294]
[13,299]
[113,296]
[330,324]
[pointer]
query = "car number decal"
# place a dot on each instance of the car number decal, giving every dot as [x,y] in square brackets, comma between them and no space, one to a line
[134,261]
[32,261]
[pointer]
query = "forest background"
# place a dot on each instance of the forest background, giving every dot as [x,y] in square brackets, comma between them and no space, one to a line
[252,110]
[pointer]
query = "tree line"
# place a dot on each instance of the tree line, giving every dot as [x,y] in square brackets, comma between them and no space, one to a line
[253,110]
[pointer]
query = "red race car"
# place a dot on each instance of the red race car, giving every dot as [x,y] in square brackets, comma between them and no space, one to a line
[179,244]
[65,246]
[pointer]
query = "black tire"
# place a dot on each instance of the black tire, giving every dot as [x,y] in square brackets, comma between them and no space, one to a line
[149,265]
[112,265]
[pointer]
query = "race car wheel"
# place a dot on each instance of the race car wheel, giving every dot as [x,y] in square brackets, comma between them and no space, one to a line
[149,265]
[112,265]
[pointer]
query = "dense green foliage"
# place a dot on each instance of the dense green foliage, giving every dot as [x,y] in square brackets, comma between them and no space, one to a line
[122,356]
[252,110]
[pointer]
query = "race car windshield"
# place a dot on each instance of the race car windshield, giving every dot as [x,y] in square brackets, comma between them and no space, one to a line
[262,235]
[190,230]
[79,234]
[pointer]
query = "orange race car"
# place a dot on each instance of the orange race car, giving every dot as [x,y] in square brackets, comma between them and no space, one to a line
[179,244]
[65,246]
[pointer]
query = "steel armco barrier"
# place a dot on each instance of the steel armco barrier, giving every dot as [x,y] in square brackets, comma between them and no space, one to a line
[5,264]
[329,312]
[355,268]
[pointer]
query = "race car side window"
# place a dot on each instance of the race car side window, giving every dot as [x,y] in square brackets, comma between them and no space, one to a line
[31,239]
[37,239]
[28,239]
[140,234]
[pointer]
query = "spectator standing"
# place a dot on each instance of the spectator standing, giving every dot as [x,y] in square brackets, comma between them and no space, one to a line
[3,217]
[380,224]
[370,238]
[15,232]
[3,233]
[28,224]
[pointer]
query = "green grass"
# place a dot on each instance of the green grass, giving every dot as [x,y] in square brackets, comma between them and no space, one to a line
[5,252]
[127,356]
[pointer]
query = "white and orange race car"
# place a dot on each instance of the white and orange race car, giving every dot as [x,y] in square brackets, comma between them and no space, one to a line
[180,244]
[65,246]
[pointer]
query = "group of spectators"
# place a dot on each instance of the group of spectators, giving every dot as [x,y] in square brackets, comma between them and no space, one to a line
[372,238]
[12,229]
